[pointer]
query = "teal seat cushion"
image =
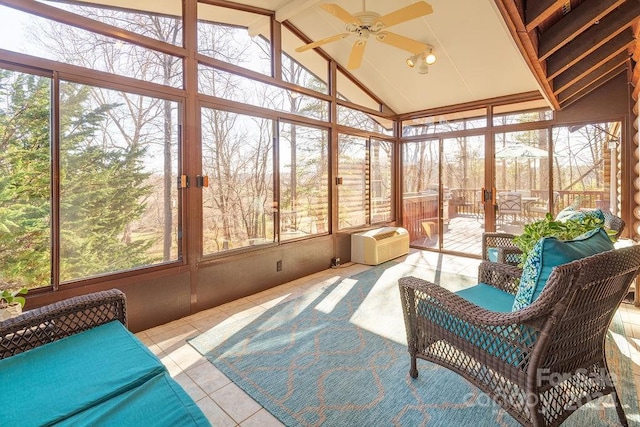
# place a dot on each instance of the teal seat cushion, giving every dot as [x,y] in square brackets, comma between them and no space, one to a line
[49,383]
[494,299]
[488,297]
[550,252]
[158,402]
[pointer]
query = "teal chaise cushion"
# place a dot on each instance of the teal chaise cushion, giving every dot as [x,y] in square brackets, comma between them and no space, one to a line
[89,374]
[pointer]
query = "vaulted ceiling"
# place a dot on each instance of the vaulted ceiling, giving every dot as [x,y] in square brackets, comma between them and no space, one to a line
[575,46]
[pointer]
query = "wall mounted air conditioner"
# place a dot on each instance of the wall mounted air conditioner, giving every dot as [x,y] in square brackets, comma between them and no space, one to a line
[377,246]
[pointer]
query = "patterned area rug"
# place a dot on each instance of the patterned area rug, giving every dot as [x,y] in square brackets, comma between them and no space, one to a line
[339,358]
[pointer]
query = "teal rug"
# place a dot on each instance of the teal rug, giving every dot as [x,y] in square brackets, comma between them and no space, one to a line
[338,358]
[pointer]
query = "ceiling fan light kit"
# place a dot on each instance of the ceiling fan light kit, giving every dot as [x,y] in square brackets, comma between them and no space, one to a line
[367,23]
[422,60]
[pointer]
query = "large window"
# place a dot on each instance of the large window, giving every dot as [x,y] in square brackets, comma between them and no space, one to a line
[304,181]
[238,205]
[33,35]
[585,166]
[117,170]
[364,174]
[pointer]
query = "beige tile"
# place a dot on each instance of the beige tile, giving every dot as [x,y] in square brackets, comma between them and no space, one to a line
[208,377]
[215,414]
[235,402]
[163,329]
[190,386]
[205,323]
[167,339]
[186,356]
[262,418]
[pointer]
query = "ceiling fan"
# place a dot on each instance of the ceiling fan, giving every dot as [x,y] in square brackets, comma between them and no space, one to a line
[367,23]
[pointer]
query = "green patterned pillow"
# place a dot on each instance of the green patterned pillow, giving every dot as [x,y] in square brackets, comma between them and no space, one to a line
[550,252]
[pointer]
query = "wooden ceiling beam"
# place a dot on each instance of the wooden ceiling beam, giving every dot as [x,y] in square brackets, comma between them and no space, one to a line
[513,19]
[593,38]
[571,25]
[539,10]
[594,75]
[594,85]
[618,44]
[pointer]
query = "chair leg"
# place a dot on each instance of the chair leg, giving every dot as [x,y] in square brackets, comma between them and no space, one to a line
[413,372]
[621,415]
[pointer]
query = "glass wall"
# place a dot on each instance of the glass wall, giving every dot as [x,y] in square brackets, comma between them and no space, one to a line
[585,166]
[238,206]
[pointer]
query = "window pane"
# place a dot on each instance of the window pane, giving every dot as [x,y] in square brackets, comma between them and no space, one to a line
[241,89]
[381,180]
[223,34]
[30,34]
[522,117]
[522,112]
[353,193]
[25,180]
[360,120]
[304,186]
[420,198]
[585,166]
[307,69]
[237,155]
[350,91]
[451,122]
[118,168]
[160,20]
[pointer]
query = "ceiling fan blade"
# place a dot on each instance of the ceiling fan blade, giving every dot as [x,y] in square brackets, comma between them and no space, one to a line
[321,42]
[357,52]
[341,14]
[408,13]
[401,42]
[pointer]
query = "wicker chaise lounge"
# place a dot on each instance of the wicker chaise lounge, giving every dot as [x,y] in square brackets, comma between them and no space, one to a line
[75,363]
[539,363]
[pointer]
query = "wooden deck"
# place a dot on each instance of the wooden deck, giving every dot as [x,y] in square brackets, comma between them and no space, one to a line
[463,235]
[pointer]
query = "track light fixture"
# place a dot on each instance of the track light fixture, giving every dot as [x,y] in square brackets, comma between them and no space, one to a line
[422,60]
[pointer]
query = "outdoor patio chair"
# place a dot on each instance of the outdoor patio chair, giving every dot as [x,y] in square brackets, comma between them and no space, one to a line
[509,204]
[541,362]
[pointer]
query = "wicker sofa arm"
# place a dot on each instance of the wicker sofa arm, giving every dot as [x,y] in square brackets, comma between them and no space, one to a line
[52,322]
[502,276]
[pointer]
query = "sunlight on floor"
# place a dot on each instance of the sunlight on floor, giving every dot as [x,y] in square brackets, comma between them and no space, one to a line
[225,404]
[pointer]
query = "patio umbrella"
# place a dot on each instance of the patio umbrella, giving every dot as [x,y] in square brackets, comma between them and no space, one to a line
[517,151]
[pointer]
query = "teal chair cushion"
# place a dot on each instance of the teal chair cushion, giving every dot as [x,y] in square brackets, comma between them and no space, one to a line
[550,252]
[489,297]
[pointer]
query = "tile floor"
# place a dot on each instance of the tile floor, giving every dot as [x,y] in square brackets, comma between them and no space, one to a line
[224,403]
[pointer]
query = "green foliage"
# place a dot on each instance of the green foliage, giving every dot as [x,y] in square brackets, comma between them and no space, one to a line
[548,227]
[9,297]
[101,186]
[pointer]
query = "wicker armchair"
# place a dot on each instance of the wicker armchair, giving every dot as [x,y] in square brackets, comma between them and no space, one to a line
[506,252]
[52,322]
[540,363]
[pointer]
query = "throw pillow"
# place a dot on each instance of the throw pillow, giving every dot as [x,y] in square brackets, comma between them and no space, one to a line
[550,252]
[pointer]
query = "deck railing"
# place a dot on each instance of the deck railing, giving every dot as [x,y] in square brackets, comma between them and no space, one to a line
[421,210]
